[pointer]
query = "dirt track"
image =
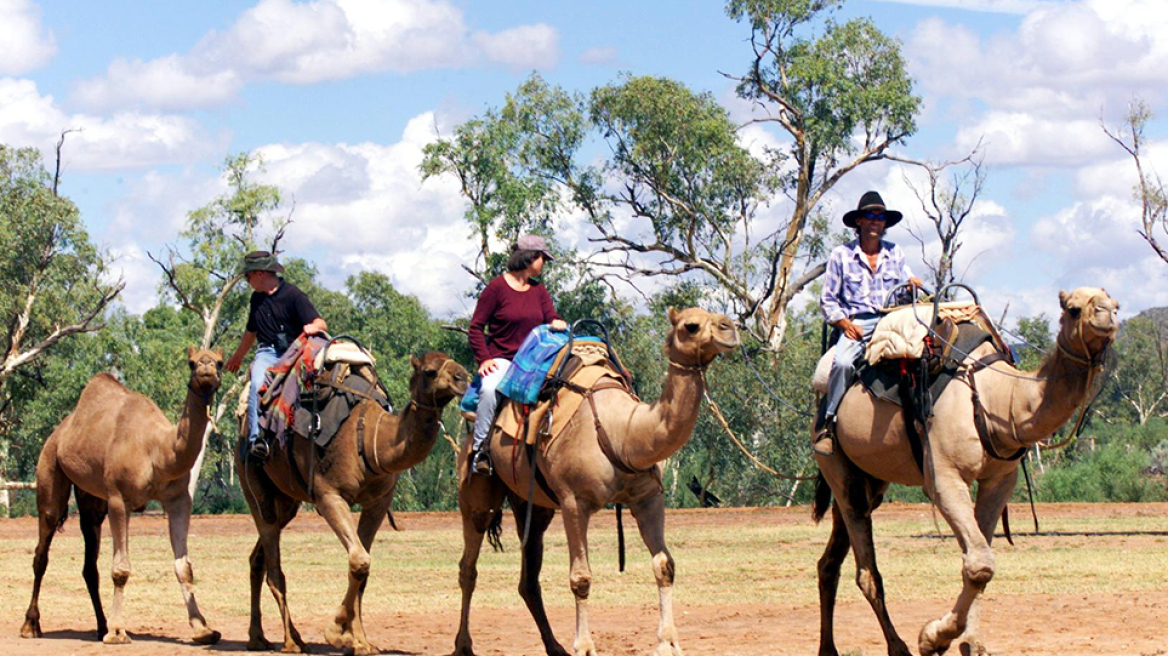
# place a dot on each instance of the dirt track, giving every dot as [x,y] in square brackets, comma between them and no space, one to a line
[1118,623]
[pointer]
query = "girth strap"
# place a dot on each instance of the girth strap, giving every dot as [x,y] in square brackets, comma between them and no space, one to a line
[602,435]
[979,414]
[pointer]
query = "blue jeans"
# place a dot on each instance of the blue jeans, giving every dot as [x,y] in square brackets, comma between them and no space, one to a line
[265,357]
[485,414]
[847,351]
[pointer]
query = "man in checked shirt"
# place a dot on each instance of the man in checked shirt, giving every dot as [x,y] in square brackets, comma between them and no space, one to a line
[860,274]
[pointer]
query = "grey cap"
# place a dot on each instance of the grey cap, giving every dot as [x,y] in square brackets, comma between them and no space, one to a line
[534,243]
[260,261]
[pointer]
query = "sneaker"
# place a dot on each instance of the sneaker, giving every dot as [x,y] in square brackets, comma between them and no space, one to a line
[823,442]
[258,450]
[480,463]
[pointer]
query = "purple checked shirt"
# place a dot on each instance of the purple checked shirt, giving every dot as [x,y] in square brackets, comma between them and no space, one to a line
[851,288]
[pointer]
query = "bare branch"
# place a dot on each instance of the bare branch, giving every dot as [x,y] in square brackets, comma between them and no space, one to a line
[57,169]
[172,281]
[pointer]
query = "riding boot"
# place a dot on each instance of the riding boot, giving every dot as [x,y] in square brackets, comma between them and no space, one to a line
[258,449]
[480,461]
[823,437]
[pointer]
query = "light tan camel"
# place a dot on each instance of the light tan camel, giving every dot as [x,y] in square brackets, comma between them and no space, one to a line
[1021,409]
[584,480]
[391,444]
[117,451]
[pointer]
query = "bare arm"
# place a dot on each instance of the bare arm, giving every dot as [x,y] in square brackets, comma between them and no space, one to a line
[315,326]
[245,345]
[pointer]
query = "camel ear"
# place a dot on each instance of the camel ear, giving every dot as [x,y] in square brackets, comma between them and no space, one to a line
[416,363]
[1063,296]
[673,313]
[190,352]
[219,352]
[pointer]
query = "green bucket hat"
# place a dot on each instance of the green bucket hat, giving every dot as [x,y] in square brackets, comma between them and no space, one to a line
[260,261]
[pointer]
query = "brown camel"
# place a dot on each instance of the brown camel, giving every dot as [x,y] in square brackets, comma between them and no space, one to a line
[117,451]
[1021,410]
[584,480]
[342,477]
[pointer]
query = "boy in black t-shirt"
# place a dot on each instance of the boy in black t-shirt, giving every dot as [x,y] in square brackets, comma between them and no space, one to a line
[278,314]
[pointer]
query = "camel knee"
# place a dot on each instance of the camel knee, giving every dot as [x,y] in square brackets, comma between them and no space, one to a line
[468,575]
[828,568]
[121,574]
[183,571]
[979,567]
[868,582]
[359,564]
[663,568]
[581,585]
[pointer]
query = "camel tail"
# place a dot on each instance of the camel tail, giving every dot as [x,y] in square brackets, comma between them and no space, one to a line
[822,498]
[495,531]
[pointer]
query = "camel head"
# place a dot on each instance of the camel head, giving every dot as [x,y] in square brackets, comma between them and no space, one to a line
[1088,321]
[437,379]
[206,366]
[697,336]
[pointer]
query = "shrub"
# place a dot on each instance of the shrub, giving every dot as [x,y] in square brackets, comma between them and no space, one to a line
[1112,473]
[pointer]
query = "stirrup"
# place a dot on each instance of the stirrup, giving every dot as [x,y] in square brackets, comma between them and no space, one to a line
[480,463]
[259,450]
[823,442]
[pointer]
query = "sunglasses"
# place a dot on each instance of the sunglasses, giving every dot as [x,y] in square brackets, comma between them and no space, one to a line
[873,216]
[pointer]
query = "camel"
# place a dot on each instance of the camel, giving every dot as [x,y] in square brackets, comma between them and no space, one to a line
[584,480]
[117,451]
[341,477]
[1021,409]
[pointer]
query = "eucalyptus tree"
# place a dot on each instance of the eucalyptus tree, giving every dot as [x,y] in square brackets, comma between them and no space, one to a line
[844,98]
[55,281]
[204,278]
[1149,190]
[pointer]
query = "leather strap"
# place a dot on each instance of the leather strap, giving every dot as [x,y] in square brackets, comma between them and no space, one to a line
[979,414]
[602,435]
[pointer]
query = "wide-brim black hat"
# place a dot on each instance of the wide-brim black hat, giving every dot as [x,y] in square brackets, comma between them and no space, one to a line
[871,201]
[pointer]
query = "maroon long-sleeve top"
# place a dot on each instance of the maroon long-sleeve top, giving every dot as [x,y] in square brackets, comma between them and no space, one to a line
[508,316]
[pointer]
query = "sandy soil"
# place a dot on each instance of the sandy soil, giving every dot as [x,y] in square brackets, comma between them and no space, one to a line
[1127,623]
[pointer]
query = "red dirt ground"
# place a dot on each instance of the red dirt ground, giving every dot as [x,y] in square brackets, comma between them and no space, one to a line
[1128,623]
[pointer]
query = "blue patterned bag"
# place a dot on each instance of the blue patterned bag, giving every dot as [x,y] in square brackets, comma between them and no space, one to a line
[530,367]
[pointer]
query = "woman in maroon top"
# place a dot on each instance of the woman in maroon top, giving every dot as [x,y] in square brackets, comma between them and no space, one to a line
[509,308]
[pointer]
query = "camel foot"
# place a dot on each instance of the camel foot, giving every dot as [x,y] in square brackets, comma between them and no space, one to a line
[205,636]
[117,637]
[362,650]
[554,650]
[973,647]
[31,629]
[667,649]
[294,648]
[339,636]
[930,643]
[258,643]
[465,649]
[585,648]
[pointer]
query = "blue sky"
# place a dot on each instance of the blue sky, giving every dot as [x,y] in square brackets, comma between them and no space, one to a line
[340,95]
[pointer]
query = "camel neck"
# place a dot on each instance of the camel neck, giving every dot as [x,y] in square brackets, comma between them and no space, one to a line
[414,437]
[1048,398]
[658,430]
[191,429]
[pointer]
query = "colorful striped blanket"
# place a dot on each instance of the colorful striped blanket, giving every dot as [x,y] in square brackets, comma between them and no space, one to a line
[280,393]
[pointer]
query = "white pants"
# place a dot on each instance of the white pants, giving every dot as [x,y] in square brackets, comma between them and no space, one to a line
[488,400]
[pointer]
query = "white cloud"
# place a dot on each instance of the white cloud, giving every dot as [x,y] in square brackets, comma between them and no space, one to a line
[133,266]
[124,140]
[23,44]
[311,42]
[1022,138]
[992,6]
[601,56]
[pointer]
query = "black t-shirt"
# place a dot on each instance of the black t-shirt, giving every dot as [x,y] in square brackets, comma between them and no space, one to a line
[287,311]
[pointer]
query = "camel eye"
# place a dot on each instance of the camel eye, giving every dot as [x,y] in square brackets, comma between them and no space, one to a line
[692,328]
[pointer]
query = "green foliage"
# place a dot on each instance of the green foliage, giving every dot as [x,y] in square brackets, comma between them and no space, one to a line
[1111,473]
[1035,331]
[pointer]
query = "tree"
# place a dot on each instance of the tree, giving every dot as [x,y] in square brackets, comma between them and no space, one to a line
[1149,189]
[1141,377]
[206,280]
[55,281]
[843,98]
[947,203]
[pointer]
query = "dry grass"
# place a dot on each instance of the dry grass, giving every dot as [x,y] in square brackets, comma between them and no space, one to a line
[729,557]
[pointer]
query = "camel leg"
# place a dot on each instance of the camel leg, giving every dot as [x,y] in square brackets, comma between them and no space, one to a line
[856,495]
[838,546]
[119,518]
[52,510]
[178,516]
[532,563]
[368,525]
[992,496]
[92,511]
[479,499]
[265,501]
[650,515]
[336,512]
[952,495]
[256,641]
[576,519]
